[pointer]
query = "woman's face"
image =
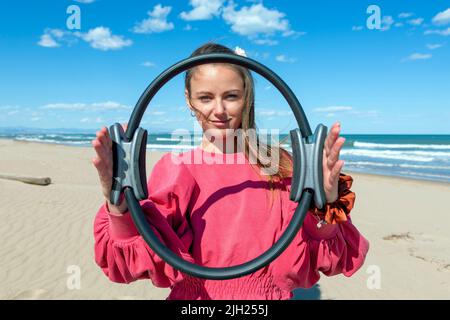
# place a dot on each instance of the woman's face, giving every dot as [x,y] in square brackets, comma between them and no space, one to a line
[217,92]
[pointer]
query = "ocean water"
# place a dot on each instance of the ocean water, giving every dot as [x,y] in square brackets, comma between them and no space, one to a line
[423,157]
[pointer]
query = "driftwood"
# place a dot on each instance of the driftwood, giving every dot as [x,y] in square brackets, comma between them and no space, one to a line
[39,181]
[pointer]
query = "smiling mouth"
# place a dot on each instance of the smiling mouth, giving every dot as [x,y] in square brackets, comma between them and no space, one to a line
[220,121]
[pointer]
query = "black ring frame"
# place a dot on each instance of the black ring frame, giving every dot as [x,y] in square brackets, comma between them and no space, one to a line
[135,209]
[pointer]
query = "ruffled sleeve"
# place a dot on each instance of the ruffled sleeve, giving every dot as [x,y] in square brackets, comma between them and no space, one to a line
[333,248]
[122,253]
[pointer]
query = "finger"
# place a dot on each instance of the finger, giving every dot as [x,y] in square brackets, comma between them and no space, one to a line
[99,165]
[105,138]
[98,146]
[332,136]
[101,136]
[108,138]
[327,141]
[101,151]
[335,151]
[335,171]
[333,157]
[98,136]
[104,174]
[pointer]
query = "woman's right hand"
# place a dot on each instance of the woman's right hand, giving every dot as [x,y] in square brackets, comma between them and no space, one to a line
[103,162]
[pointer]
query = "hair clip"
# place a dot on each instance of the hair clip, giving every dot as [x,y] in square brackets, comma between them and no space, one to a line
[240,51]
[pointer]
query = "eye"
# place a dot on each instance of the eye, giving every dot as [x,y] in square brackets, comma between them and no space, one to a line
[205,99]
[232,96]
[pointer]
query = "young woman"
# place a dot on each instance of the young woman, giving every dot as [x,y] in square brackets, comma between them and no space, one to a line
[223,213]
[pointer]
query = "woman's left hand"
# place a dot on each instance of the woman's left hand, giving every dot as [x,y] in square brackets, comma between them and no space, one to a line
[332,166]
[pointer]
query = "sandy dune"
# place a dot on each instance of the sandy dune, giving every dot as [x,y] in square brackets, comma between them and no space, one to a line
[46,233]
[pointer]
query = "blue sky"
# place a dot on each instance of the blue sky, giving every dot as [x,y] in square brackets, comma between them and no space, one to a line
[394,79]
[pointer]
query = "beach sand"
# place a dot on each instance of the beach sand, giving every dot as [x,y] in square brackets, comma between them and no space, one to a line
[46,233]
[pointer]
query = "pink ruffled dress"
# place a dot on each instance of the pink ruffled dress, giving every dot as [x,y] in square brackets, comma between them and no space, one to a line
[216,211]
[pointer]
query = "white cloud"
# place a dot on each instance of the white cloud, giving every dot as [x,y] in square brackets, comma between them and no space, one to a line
[294,34]
[48,41]
[52,38]
[333,109]
[91,120]
[256,20]
[398,24]
[5,108]
[259,55]
[434,46]
[101,38]
[368,113]
[109,105]
[445,32]
[58,33]
[7,111]
[403,15]
[202,10]
[357,28]
[97,106]
[35,119]
[267,42]
[190,28]
[386,23]
[416,22]
[266,113]
[65,106]
[167,120]
[159,113]
[148,64]
[85,1]
[284,58]
[417,56]
[442,18]
[272,112]
[157,22]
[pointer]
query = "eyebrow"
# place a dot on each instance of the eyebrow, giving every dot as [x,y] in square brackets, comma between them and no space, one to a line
[229,91]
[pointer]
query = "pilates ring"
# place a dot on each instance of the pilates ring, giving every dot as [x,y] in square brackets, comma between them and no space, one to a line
[129,174]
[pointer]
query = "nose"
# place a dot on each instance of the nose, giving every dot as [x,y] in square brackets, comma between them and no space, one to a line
[219,109]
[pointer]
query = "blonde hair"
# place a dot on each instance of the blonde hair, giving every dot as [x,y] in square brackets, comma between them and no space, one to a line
[284,165]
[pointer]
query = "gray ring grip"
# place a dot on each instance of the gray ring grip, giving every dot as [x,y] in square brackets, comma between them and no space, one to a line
[129,163]
[308,168]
